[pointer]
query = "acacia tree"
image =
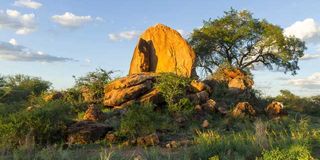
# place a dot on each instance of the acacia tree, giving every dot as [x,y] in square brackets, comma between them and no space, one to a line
[242,41]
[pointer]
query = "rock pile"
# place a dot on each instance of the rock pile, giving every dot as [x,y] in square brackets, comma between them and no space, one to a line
[237,79]
[140,88]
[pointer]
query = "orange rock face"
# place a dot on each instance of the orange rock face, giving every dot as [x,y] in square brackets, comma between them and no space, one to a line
[275,109]
[162,49]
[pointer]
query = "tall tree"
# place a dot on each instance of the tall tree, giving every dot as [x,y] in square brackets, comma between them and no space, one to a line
[244,42]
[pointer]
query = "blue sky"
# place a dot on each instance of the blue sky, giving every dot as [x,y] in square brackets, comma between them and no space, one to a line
[60,38]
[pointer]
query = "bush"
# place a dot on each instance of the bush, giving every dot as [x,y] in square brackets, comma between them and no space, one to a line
[92,84]
[140,121]
[174,89]
[44,124]
[295,103]
[20,87]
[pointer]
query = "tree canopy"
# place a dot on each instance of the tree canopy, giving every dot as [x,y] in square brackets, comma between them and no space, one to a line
[245,42]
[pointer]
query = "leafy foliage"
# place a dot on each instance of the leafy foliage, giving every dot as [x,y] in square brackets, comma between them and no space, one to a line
[243,41]
[45,124]
[93,83]
[174,88]
[140,121]
[19,87]
[308,105]
[295,152]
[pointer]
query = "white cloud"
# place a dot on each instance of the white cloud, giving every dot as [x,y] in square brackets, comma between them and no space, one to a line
[21,23]
[310,57]
[71,20]
[183,33]
[13,42]
[311,82]
[307,30]
[126,35]
[28,3]
[11,51]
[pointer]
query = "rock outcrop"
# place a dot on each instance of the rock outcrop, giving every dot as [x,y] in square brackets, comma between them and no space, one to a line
[162,49]
[140,88]
[243,109]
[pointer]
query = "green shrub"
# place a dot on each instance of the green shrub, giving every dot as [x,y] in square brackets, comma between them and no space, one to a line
[295,103]
[94,83]
[295,152]
[43,124]
[140,120]
[19,87]
[174,89]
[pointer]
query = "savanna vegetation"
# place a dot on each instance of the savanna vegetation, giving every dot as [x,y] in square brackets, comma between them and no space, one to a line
[34,118]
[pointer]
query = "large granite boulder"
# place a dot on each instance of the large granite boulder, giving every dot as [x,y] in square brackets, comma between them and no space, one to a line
[162,49]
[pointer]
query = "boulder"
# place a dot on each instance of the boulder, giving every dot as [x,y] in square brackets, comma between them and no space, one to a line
[84,132]
[117,97]
[198,86]
[243,109]
[209,105]
[275,109]
[93,113]
[162,49]
[149,140]
[237,83]
[51,96]
[199,98]
[87,94]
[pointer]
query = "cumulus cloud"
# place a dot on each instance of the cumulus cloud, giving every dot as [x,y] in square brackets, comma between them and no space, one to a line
[28,3]
[70,20]
[307,30]
[21,23]
[11,51]
[310,57]
[126,35]
[13,42]
[311,82]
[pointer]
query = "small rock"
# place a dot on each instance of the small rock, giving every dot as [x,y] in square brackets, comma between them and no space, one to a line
[110,137]
[209,105]
[172,144]
[93,113]
[205,124]
[149,140]
[198,108]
